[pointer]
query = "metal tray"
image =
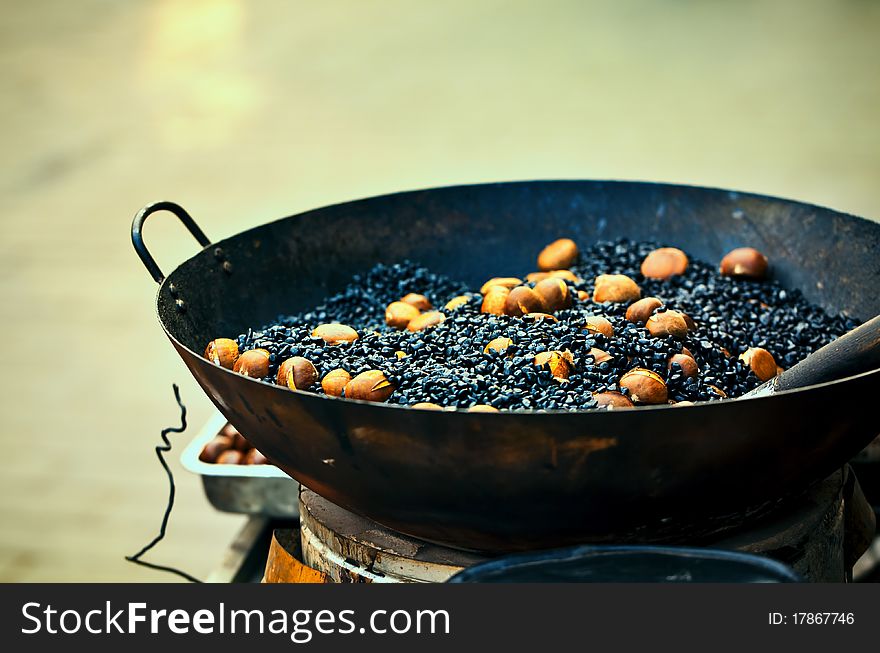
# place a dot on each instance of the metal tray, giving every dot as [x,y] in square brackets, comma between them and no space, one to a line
[248,489]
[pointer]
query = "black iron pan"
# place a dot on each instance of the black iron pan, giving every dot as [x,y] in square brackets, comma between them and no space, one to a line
[516,481]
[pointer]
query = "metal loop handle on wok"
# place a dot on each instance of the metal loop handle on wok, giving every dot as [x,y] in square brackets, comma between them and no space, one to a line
[137,238]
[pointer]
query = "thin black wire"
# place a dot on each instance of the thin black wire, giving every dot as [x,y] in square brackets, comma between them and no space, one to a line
[160,451]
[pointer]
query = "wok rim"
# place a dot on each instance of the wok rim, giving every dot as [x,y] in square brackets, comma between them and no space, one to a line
[308,396]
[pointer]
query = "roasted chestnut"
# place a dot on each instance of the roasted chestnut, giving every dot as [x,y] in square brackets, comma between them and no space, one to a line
[598,324]
[664,263]
[616,288]
[667,323]
[522,300]
[222,352]
[399,314]
[744,262]
[371,385]
[335,334]
[253,363]
[426,320]
[612,400]
[555,294]
[296,373]
[497,344]
[645,386]
[639,312]
[421,302]
[494,300]
[761,362]
[335,381]
[558,255]
[560,363]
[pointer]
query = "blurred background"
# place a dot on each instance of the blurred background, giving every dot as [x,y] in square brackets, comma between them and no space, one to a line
[246,111]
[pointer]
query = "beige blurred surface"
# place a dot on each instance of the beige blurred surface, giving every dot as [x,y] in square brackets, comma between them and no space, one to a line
[247,111]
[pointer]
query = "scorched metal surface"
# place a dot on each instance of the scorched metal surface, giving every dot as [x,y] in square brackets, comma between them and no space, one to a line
[517,481]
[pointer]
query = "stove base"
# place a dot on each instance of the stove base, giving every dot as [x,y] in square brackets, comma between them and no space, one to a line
[820,535]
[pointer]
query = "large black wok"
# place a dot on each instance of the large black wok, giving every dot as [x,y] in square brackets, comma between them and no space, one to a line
[514,481]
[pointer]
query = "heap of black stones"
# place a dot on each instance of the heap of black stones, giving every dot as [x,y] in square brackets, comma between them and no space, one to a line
[446,364]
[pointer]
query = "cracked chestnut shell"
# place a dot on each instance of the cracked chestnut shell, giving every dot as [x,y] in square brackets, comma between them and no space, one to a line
[598,324]
[760,361]
[523,300]
[560,363]
[645,386]
[296,373]
[497,344]
[222,352]
[253,364]
[371,385]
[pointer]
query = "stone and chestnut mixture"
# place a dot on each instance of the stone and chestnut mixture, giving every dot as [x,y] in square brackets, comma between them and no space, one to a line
[229,447]
[618,324]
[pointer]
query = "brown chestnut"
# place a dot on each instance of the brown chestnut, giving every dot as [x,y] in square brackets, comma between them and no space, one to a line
[613,400]
[335,381]
[555,294]
[253,363]
[427,405]
[667,323]
[688,365]
[230,457]
[599,355]
[744,262]
[538,317]
[335,334]
[597,324]
[255,457]
[560,363]
[482,408]
[583,296]
[240,442]
[371,385]
[426,320]
[455,302]
[214,448]
[497,344]
[558,255]
[535,277]
[718,391]
[664,262]
[419,301]
[760,361]
[399,314]
[296,373]
[639,312]
[615,288]
[645,386]
[222,352]
[522,300]
[494,300]
[504,282]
